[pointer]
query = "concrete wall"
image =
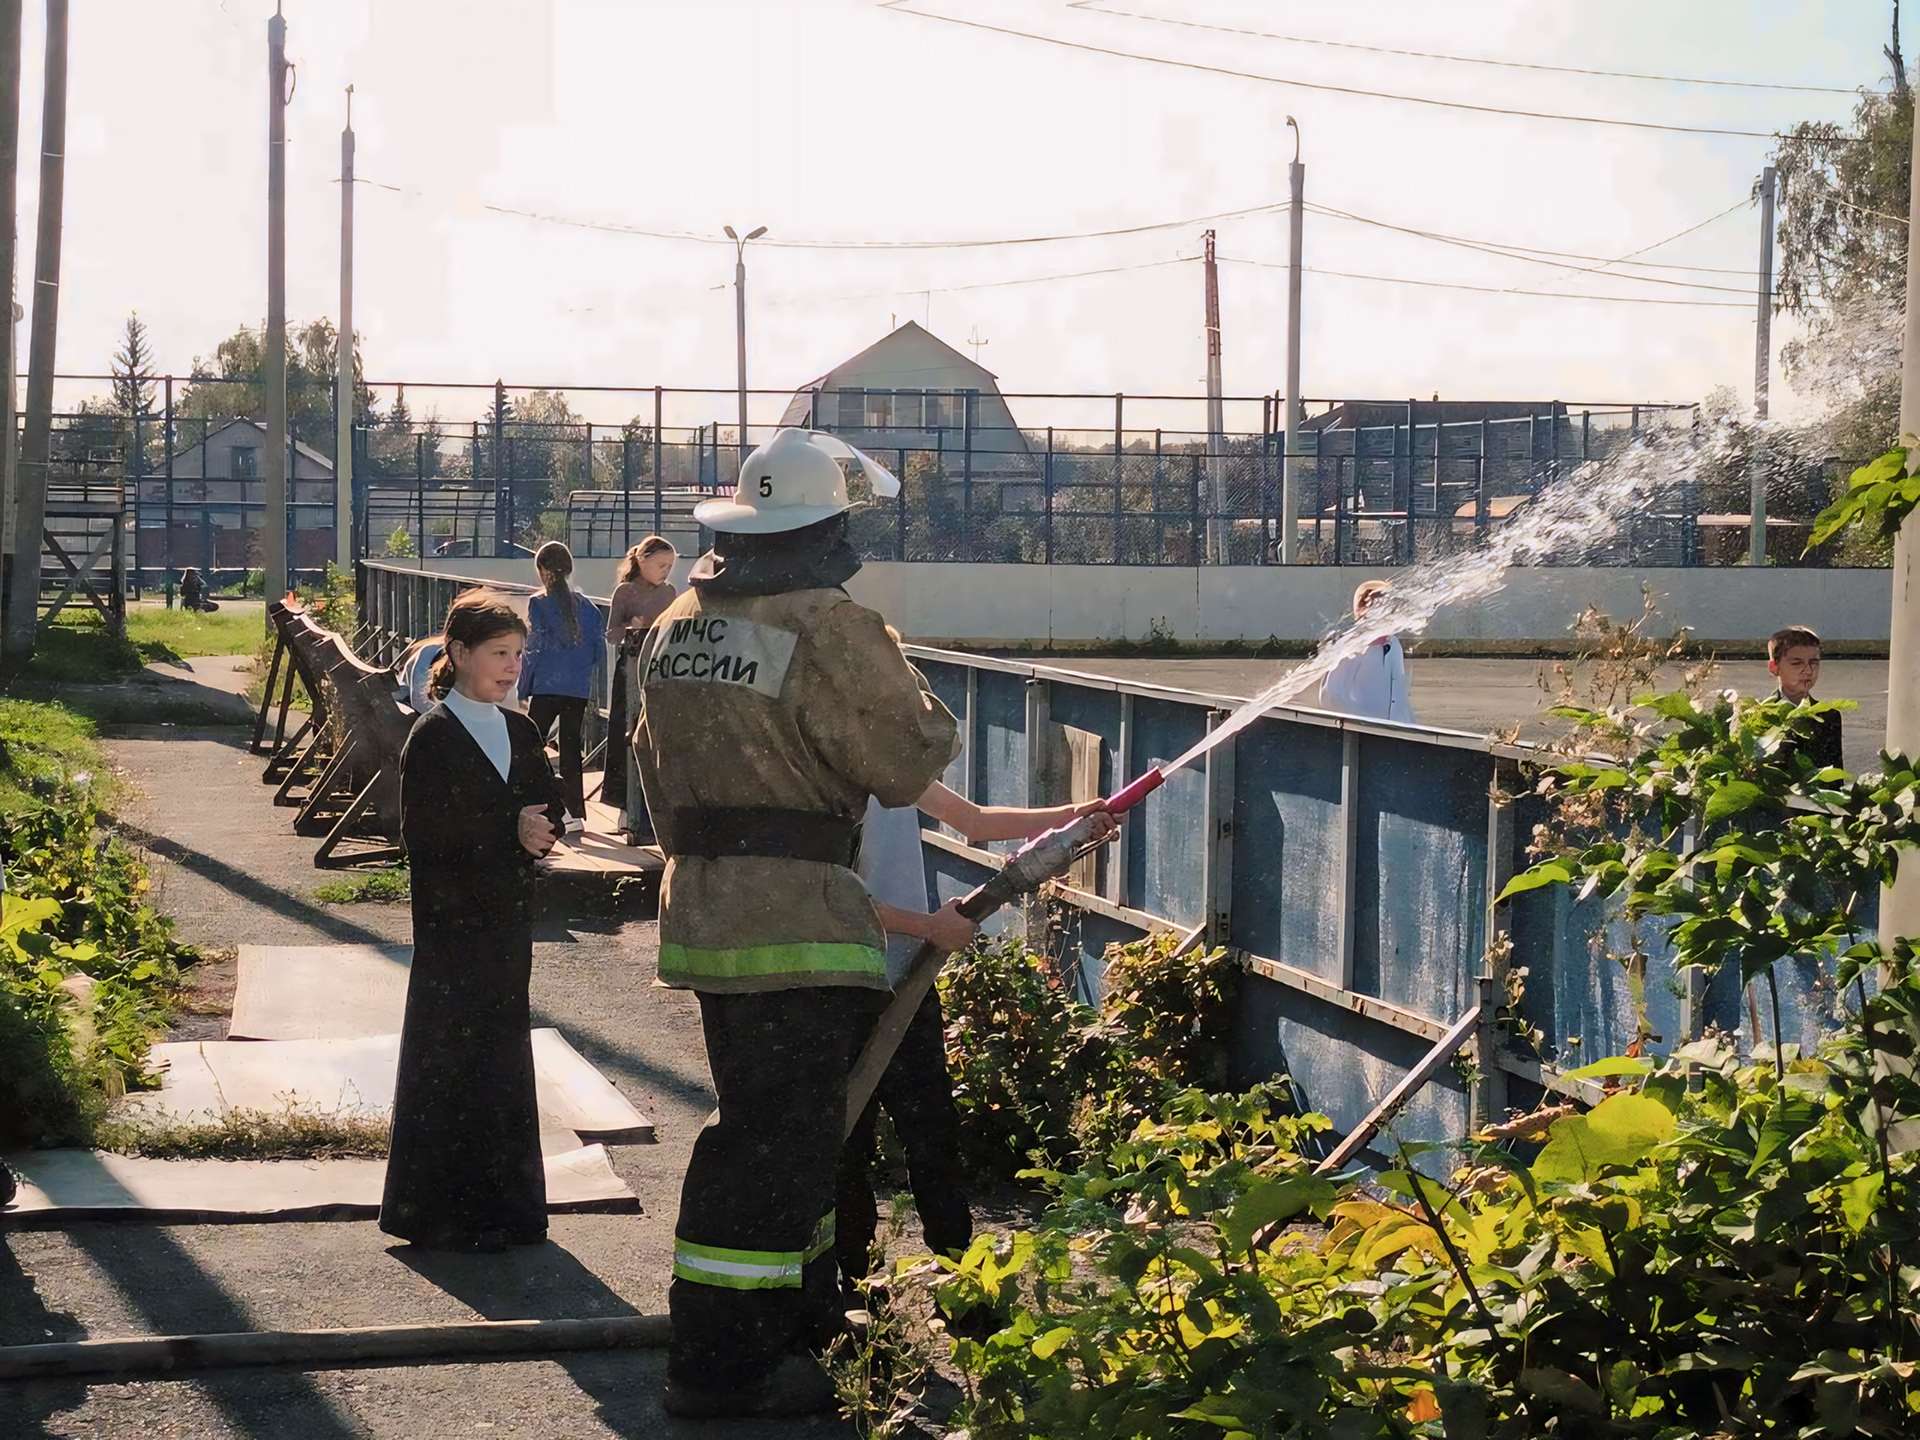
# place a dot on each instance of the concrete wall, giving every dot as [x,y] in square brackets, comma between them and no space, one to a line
[1066,605]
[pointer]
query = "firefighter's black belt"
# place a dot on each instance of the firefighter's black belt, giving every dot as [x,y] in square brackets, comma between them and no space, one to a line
[769,830]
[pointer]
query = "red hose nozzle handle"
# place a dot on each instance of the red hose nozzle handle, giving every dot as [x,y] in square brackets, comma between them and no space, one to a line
[1131,795]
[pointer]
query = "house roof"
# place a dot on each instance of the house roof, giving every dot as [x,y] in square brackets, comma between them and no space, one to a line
[1363,414]
[911,326]
[300,447]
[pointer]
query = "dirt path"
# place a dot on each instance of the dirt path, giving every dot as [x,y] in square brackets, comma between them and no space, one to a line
[229,868]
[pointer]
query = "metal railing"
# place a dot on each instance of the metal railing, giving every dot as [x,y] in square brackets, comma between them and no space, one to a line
[1118,479]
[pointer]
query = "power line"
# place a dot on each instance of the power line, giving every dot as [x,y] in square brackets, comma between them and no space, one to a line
[1678,235]
[1095,9]
[989,284]
[897,7]
[1521,252]
[613,227]
[1497,289]
[1491,248]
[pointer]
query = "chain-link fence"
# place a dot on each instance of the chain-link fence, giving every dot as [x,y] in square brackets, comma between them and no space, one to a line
[477,470]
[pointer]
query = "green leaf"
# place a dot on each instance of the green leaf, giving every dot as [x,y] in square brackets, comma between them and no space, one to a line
[1857,1200]
[1047,1344]
[1732,797]
[1612,1065]
[1621,1130]
[1674,705]
[1271,1202]
[1548,872]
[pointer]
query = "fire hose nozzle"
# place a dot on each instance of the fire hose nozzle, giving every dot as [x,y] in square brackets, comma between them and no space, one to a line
[1131,795]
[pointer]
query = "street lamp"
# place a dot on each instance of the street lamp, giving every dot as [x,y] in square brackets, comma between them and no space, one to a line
[740,320]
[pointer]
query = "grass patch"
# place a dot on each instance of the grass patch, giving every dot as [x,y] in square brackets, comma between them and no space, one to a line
[79,649]
[161,634]
[385,886]
[291,1133]
[44,745]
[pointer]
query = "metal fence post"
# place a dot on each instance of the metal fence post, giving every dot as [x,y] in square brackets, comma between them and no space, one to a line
[966,477]
[1586,436]
[206,515]
[1402,479]
[1480,502]
[659,452]
[1340,507]
[1160,525]
[134,466]
[502,486]
[1119,465]
[900,508]
[626,492]
[1047,480]
[1196,553]
[167,461]
[502,540]
[419,495]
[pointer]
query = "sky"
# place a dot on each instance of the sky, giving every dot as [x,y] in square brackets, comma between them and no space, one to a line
[845,120]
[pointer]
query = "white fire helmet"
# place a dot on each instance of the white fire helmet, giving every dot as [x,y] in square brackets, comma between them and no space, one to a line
[795,480]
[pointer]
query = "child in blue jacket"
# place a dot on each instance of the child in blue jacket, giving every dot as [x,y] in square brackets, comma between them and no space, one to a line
[564,646]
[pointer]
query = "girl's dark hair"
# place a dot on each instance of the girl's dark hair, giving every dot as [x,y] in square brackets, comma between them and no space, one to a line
[554,561]
[630,566]
[475,617]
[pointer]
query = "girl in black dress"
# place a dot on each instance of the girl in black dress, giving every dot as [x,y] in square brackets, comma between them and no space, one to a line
[478,804]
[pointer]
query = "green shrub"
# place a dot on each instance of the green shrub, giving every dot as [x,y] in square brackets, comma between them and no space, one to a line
[1040,1077]
[77,905]
[1164,1027]
[1014,1040]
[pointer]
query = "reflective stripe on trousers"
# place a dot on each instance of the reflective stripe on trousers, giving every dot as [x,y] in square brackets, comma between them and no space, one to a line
[750,1269]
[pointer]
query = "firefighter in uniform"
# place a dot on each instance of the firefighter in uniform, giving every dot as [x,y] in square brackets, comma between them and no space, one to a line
[772,706]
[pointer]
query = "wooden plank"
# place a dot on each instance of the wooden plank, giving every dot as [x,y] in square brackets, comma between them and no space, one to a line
[1082,771]
[1488,1099]
[1348,839]
[1216,858]
[1369,1006]
[1390,1105]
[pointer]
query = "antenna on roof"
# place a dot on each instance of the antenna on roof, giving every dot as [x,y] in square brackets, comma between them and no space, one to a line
[976,340]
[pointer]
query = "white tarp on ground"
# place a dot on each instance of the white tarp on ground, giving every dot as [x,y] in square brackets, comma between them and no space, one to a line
[355,1076]
[68,1185]
[314,992]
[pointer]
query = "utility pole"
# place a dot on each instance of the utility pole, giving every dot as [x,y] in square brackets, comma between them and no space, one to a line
[343,394]
[23,592]
[1900,902]
[9,228]
[1762,368]
[1296,412]
[273,360]
[976,342]
[1216,474]
[740,325]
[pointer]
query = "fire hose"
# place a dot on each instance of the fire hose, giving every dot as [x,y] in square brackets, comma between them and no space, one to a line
[1042,859]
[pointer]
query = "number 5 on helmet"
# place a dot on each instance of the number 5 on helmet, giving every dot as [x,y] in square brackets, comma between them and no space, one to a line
[796,479]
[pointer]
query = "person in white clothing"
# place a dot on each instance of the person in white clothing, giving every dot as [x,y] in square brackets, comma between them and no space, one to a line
[916,1090]
[1373,683]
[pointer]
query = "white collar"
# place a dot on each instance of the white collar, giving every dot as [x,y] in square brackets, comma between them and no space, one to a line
[469,709]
